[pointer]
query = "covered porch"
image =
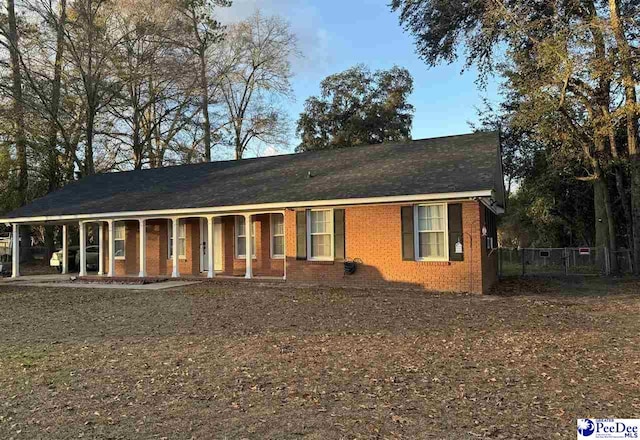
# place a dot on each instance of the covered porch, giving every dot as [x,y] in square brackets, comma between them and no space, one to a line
[197,245]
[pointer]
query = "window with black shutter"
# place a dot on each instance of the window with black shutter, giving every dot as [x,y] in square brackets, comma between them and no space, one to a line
[408,251]
[456,232]
[339,234]
[301,235]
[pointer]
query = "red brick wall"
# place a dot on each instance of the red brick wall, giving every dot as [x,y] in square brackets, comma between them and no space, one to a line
[263,264]
[159,263]
[373,234]
[157,258]
[489,260]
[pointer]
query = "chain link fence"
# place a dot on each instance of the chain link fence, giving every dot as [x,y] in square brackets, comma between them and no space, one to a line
[561,261]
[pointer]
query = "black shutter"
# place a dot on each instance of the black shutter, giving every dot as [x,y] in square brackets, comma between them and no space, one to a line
[338,234]
[456,233]
[301,235]
[408,252]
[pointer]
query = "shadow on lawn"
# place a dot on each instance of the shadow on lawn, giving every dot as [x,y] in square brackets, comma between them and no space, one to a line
[567,286]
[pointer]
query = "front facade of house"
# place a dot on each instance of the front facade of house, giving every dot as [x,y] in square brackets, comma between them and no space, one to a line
[434,240]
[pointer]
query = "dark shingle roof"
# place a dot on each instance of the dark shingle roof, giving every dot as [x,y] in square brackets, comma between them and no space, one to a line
[429,166]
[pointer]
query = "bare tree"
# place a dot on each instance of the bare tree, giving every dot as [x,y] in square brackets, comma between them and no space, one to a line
[205,32]
[90,44]
[152,71]
[12,43]
[254,65]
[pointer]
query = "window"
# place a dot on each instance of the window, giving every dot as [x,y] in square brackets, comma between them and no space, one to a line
[119,238]
[277,236]
[182,239]
[431,236]
[241,237]
[320,239]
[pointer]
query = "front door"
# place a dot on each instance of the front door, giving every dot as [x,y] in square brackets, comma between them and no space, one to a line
[204,245]
[205,248]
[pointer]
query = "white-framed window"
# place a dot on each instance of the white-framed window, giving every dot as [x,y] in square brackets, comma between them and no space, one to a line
[120,240]
[277,236]
[320,234]
[241,238]
[182,239]
[431,241]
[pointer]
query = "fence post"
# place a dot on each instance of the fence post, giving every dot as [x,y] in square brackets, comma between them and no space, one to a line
[523,270]
[607,263]
[566,261]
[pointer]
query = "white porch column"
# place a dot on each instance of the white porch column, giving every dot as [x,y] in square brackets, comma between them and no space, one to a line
[83,250]
[112,249]
[211,249]
[175,224]
[284,224]
[248,230]
[65,249]
[101,249]
[143,248]
[15,251]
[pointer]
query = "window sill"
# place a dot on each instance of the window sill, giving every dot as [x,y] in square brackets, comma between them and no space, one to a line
[120,258]
[434,262]
[321,262]
[179,258]
[277,257]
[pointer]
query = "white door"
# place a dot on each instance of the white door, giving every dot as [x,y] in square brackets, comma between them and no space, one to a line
[217,244]
[204,245]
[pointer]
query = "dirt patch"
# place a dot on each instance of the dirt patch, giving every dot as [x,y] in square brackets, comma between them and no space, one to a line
[240,361]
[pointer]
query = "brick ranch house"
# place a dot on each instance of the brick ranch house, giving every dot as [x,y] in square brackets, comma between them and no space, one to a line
[420,213]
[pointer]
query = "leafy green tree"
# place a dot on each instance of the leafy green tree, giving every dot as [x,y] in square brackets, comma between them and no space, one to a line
[358,107]
[570,78]
[549,208]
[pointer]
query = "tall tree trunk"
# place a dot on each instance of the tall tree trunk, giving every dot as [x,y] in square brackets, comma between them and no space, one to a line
[626,61]
[604,210]
[53,173]
[18,124]
[138,146]
[204,86]
[90,87]
[239,147]
[613,242]
[602,224]
[18,104]
[89,166]
[620,186]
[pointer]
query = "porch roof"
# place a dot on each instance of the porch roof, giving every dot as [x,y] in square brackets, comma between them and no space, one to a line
[455,164]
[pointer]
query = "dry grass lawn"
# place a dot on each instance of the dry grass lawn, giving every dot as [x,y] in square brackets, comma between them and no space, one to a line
[255,362]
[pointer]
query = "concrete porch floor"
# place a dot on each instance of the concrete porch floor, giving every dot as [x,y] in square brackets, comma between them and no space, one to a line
[87,283]
[38,278]
[94,281]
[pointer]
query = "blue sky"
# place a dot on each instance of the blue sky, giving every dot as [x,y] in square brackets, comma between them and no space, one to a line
[337,34]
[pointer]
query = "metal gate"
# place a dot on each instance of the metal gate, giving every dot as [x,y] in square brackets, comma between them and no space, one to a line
[554,261]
